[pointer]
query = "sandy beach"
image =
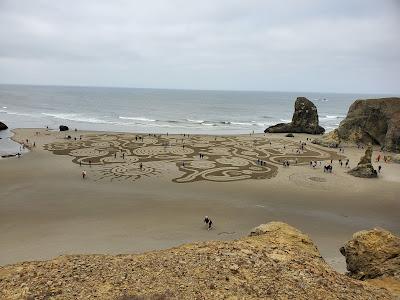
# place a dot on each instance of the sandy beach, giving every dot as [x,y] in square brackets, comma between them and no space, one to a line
[47,209]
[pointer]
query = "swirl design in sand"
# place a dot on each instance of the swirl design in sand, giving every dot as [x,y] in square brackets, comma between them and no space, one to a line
[223,159]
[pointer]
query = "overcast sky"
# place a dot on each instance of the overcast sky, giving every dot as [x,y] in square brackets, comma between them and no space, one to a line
[337,46]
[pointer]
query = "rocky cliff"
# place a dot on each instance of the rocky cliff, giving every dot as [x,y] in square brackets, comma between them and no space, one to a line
[304,120]
[3,126]
[276,261]
[374,121]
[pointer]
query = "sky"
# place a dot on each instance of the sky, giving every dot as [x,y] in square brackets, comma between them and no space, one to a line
[298,45]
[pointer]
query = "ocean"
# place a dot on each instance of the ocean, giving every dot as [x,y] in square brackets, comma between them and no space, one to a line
[159,110]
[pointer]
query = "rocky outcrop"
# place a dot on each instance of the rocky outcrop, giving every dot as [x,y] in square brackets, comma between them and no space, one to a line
[276,262]
[3,126]
[330,140]
[64,128]
[364,168]
[304,120]
[374,121]
[373,254]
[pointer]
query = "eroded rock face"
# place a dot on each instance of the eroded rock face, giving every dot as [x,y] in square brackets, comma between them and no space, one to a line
[3,126]
[276,262]
[375,121]
[330,139]
[373,254]
[364,168]
[304,120]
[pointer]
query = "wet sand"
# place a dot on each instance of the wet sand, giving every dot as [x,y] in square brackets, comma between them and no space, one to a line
[46,209]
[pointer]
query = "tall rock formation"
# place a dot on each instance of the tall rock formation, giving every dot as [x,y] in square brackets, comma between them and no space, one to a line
[3,126]
[304,120]
[364,168]
[374,121]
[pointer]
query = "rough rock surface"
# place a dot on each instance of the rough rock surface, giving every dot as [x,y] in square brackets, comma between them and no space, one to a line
[374,121]
[331,139]
[64,128]
[304,120]
[373,254]
[364,168]
[3,126]
[276,262]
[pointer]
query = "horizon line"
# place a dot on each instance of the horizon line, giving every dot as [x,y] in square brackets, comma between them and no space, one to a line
[190,89]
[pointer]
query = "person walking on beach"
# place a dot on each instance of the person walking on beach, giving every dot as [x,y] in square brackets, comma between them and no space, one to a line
[206,220]
[209,224]
[379,168]
[83,174]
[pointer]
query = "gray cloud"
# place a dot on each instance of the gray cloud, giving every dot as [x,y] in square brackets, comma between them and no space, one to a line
[342,46]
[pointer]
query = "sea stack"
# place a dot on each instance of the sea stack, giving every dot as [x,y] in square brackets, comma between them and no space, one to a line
[364,168]
[3,126]
[375,121]
[304,120]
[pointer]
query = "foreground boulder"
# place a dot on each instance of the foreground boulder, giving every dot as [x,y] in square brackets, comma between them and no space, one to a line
[364,168]
[276,262]
[304,120]
[373,254]
[64,128]
[3,126]
[375,121]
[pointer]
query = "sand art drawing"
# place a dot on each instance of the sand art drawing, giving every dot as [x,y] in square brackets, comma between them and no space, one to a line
[224,158]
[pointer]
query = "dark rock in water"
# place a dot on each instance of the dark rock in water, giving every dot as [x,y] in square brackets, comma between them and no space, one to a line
[364,168]
[3,126]
[64,128]
[289,135]
[375,121]
[372,254]
[304,120]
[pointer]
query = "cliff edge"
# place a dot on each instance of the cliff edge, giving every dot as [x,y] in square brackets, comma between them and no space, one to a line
[276,261]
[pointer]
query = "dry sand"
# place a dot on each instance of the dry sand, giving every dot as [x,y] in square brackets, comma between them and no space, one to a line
[46,209]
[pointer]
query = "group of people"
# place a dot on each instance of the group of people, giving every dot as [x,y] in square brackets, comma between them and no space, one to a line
[385,158]
[261,162]
[328,169]
[347,164]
